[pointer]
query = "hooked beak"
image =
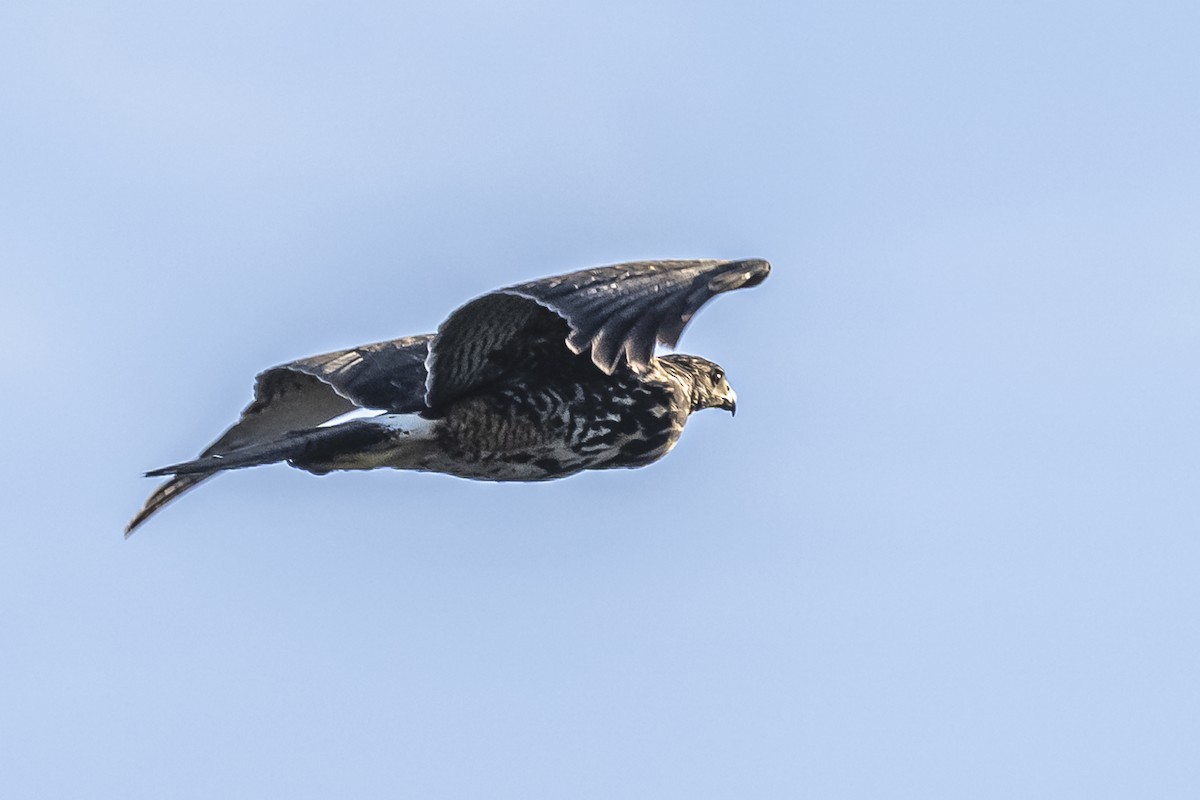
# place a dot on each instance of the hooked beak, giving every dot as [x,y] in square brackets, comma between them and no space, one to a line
[730,403]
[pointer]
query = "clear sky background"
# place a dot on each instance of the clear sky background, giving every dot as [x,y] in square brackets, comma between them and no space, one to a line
[948,548]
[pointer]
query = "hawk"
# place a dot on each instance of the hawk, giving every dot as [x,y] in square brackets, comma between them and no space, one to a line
[532,382]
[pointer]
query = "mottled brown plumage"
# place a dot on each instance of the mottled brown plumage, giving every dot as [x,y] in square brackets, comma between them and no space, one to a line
[533,382]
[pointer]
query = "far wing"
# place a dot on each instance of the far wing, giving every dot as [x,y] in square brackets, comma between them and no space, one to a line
[305,393]
[386,375]
[614,313]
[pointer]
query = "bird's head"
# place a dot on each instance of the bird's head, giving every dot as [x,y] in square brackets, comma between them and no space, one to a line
[705,380]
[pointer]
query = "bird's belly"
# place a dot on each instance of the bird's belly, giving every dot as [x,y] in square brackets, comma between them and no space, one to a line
[530,464]
[487,442]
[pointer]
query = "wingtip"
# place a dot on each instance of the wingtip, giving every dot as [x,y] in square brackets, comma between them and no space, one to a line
[759,269]
[152,505]
[164,494]
[741,274]
[135,523]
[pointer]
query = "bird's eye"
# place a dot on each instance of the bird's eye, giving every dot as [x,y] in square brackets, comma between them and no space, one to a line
[718,376]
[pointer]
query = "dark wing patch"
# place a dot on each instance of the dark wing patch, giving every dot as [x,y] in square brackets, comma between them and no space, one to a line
[614,313]
[386,375]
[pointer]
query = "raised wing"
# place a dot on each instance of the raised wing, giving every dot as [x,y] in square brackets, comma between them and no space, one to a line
[305,393]
[614,313]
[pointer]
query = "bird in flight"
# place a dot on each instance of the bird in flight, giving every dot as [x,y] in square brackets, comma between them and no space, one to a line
[532,382]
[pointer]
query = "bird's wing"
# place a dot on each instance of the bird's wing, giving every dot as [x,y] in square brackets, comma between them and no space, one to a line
[386,375]
[305,393]
[613,313]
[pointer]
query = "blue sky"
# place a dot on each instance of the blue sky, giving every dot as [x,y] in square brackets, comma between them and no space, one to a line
[947,548]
